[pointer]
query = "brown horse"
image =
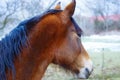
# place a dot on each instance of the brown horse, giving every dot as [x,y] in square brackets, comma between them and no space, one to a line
[53,37]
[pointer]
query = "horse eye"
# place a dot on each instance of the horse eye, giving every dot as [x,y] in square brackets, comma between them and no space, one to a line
[79,34]
[72,30]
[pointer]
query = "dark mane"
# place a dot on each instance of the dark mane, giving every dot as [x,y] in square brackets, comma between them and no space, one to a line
[10,47]
[33,21]
[78,29]
[12,44]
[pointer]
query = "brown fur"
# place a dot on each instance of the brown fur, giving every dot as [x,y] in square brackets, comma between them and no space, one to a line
[51,41]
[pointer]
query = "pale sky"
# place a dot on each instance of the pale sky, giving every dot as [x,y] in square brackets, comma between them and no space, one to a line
[81,6]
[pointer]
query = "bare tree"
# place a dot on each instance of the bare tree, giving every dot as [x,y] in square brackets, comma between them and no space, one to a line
[17,10]
[101,9]
[35,7]
[11,8]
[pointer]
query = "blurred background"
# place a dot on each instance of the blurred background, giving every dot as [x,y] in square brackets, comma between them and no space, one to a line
[99,20]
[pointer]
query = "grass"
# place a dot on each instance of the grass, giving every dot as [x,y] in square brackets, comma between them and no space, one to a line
[106,63]
[110,71]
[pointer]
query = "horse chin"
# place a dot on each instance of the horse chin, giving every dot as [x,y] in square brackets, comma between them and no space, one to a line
[84,74]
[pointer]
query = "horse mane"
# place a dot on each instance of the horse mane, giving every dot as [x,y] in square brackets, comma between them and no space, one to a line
[13,43]
[10,47]
[77,28]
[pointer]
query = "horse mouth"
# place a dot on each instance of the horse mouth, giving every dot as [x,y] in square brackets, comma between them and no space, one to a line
[84,73]
[82,76]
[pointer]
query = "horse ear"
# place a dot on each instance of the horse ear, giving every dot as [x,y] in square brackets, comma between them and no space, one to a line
[70,8]
[58,6]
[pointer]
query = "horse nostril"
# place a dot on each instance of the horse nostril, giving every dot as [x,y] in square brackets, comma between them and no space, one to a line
[84,73]
[87,72]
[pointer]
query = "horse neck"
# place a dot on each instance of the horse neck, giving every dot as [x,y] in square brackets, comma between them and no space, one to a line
[37,57]
[30,66]
[34,60]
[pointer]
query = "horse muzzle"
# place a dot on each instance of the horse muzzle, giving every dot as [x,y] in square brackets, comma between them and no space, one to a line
[86,71]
